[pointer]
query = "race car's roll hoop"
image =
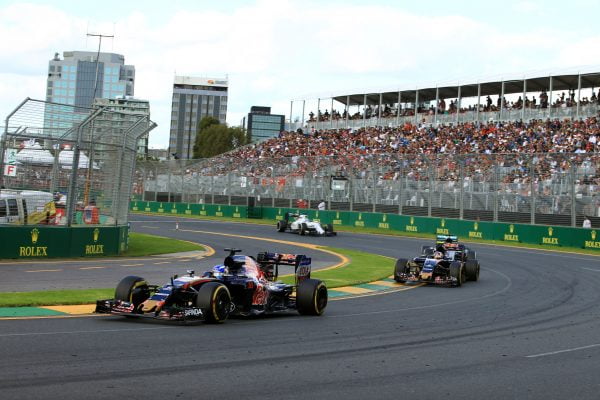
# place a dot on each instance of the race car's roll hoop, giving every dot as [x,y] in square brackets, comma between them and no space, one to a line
[270,263]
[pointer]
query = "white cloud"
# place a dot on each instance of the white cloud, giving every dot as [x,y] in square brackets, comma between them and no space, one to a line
[274,51]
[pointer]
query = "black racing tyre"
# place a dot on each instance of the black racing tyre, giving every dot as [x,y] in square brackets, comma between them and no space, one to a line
[311,297]
[471,254]
[215,301]
[303,229]
[457,271]
[281,225]
[330,230]
[400,269]
[427,250]
[132,289]
[472,270]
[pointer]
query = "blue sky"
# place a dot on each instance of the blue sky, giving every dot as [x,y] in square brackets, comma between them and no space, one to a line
[277,50]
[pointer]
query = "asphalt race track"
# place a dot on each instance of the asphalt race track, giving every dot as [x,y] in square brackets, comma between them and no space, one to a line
[527,330]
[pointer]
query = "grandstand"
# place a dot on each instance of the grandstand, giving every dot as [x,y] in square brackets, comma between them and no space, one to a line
[523,161]
[475,101]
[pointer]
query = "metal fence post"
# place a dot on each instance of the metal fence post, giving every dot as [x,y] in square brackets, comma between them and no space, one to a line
[430,186]
[144,177]
[496,183]
[461,172]
[401,189]
[118,189]
[532,189]
[169,183]
[156,183]
[4,138]
[573,195]
[229,188]
[55,168]
[375,181]
[75,167]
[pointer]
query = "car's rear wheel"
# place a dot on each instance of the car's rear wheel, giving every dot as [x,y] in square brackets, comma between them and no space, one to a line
[331,230]
[311,297]
[400,269]
[215,301]
[471,254]
[132,289]
[457,271]
[281,226]
[472,270]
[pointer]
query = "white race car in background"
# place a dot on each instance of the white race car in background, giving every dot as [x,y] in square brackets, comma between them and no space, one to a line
[301,224]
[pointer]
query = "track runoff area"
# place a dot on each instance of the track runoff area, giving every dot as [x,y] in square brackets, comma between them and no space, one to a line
[526,329]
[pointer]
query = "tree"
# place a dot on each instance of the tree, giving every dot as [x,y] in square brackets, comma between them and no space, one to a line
[214,138]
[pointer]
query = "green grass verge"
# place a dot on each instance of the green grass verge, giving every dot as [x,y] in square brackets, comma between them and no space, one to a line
[388,232]
[54,297]
[363,267]
[141,244]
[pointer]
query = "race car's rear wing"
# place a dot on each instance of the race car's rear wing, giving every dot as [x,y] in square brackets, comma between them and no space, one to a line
[301,263]
[442,239]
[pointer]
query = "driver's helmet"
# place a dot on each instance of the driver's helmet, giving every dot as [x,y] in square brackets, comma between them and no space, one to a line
[438,255]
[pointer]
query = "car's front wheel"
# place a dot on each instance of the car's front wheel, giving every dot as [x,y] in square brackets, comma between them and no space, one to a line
[132,289]
[330,230]
[400,269]
[457,271]
[215,301]
[472,270]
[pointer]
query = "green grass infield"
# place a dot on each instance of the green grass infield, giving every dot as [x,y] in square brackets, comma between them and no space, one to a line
[141,244]
[362,268]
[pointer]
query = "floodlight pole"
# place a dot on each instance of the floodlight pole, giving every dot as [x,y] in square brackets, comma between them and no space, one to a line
[99,36]
[88,179]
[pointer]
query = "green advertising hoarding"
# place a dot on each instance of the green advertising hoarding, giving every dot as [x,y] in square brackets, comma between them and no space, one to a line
[41,241]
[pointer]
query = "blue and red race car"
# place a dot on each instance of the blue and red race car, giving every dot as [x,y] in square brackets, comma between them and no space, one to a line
[242,285]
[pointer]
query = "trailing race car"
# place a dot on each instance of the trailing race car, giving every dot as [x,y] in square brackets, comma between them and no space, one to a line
[300,223]
[446,263]
[242,285]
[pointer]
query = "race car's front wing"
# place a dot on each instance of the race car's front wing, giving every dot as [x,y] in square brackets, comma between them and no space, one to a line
[173,313]
[428,278]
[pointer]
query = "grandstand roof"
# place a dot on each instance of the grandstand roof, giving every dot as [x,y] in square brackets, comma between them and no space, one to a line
[534,84]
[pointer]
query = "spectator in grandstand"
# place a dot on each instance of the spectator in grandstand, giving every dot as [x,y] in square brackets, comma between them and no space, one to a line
[321,206]
[586,222]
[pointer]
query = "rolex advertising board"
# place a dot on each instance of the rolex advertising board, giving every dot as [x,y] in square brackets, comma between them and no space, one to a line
[48,242]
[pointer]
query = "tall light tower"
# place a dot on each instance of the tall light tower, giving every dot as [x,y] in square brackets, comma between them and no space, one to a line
[86,192]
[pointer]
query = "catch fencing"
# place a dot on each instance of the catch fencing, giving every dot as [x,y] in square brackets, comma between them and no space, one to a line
[72,164]
[549,188]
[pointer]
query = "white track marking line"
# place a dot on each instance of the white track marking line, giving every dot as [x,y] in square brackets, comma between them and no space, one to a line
[551,353]
[150,227]
[45,270]
[92,268]
[131,265]
[79,332]
[163,262]
[591,269]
